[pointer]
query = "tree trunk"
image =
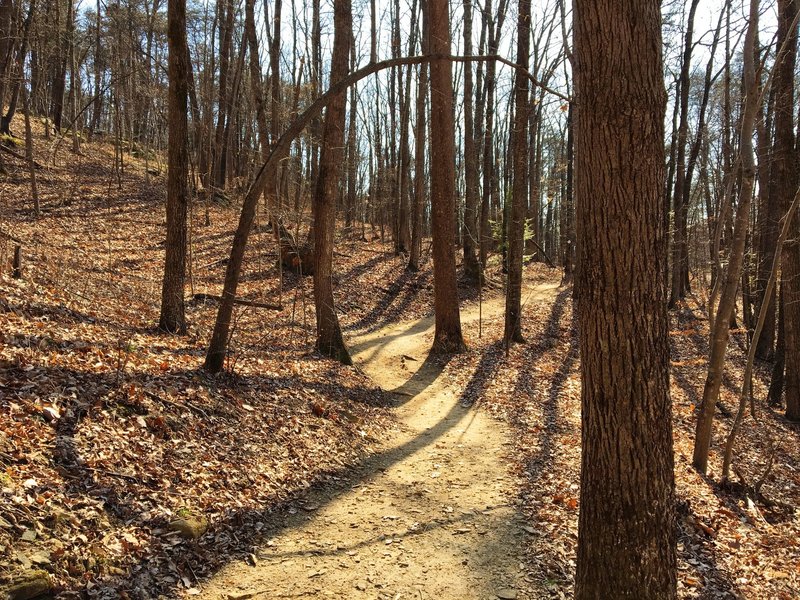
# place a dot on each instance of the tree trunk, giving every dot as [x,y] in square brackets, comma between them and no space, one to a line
[59,79]
[29,156]
[329,334]
[97,103]
[419,154]
[626,531]
[447,337]
[785,172]
[172,317]
[5,123]
[679,244]
[776,379]
[519,198]
[226,14]
[6,37]
[472,267]
[721,326]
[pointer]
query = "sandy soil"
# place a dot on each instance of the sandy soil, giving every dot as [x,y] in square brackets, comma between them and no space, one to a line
[431,516]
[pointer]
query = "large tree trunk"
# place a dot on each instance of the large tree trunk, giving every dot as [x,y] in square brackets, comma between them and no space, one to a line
[626,535]
[519,198]
[786,172]
[447,337]
[329,334]
[172,317]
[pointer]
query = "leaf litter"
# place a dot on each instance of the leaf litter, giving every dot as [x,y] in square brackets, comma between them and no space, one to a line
[110,435]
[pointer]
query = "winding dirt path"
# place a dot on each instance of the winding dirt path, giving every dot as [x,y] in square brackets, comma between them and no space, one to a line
[431,516]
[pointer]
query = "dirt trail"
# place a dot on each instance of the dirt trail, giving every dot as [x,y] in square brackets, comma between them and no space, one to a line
[431,516]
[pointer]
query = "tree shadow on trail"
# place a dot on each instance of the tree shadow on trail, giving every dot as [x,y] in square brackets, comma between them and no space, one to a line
[394,302]
[239,532]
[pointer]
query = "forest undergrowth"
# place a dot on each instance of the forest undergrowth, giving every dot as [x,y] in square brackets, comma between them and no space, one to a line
[125,471]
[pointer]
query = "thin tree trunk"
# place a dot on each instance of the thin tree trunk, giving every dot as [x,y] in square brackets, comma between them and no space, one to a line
[680,201]
[721,325]
[5,123]
[29,156]
[472,267]
[419,154]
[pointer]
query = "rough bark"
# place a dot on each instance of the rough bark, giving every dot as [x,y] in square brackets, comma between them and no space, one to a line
[626,536]
[447,336]
[519,193]
[785,172]
[329,334]
[172,318]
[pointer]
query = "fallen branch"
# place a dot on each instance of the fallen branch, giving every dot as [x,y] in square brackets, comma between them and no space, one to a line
[9,236]
[238,301]
[180,405]
[549,262]
[19,156]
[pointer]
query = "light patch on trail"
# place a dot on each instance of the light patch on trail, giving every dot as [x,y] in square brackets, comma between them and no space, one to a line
[430,516]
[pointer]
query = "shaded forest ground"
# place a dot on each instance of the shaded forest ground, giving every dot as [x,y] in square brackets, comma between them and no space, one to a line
[109,434]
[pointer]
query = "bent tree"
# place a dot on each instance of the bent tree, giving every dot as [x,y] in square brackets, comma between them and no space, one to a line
[626,529]
[265,177]
[721,326]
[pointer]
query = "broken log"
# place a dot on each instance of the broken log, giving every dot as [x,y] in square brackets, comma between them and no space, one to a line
[254,304]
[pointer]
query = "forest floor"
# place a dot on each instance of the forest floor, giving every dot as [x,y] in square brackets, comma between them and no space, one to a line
[127,472]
